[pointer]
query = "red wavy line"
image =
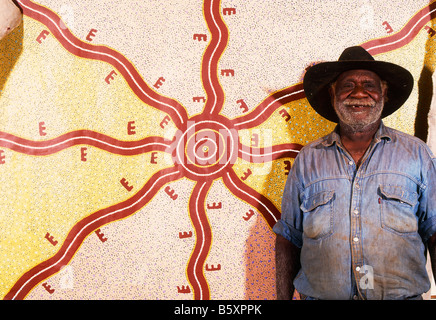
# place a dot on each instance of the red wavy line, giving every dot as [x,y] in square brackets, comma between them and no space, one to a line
[178,113]
[262,155]
[83,137]
[102,53]
[216,47]
[84,227]
[374,47]
[266,108]
[405,35]
[268,210]
[203,231]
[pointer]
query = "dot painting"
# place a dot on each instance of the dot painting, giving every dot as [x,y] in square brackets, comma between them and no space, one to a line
[144,148]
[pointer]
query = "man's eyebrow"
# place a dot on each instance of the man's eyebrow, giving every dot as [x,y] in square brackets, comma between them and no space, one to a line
[367,80]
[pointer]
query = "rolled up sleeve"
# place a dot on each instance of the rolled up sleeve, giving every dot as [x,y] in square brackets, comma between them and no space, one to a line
[290,224]
[427,204]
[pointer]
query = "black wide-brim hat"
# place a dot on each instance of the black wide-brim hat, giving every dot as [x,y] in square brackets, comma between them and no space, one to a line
[318,78]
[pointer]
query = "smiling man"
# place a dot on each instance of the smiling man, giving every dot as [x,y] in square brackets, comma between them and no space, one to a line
[365,106]
[359,206]
[10,17]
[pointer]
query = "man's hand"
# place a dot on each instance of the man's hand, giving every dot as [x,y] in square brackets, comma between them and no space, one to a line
[10,17]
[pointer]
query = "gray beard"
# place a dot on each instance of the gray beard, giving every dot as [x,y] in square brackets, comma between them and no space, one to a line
[349,124]
[356,128]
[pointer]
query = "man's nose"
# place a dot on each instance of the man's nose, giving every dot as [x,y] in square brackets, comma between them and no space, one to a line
[359,92]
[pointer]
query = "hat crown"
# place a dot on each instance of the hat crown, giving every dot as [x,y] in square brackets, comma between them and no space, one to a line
[355,53]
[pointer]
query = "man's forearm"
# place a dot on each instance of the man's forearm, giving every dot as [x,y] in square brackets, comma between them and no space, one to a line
[432,250]
[287,267]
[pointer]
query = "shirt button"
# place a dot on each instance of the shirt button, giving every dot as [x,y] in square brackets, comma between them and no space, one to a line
[355,239]
[350,163]
[357,268]
[356,211]
[355,297]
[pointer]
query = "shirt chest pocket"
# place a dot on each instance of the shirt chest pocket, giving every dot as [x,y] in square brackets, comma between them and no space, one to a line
[318,215]
[397,209]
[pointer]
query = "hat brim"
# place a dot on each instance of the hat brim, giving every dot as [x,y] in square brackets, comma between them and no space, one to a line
[318,78]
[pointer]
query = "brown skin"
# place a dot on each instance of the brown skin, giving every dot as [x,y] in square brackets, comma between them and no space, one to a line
[431,243]
[358,97]
[10,17]
[287,267]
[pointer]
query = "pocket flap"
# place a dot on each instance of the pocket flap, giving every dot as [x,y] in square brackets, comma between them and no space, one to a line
[317,200]
[399,193]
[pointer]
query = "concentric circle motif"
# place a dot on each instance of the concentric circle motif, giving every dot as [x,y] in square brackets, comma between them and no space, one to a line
[206,149]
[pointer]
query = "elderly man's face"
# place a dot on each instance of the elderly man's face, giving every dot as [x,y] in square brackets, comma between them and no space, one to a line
[358,98]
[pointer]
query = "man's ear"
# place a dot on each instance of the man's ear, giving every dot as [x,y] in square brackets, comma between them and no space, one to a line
[385,89]
[18,5]
[10,17]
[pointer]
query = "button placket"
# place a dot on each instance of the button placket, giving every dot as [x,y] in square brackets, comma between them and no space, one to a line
[356,242]
[356,230]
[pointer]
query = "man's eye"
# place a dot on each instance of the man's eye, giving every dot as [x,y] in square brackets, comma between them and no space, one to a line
[347,85]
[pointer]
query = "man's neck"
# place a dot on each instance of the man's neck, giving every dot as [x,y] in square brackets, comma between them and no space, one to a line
[356,142]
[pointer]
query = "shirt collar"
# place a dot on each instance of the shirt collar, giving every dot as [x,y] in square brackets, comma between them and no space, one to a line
[334,137]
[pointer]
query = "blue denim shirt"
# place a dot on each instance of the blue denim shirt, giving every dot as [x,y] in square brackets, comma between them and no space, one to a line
[362,230]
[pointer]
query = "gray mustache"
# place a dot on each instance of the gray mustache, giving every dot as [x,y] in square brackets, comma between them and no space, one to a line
[357,102]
